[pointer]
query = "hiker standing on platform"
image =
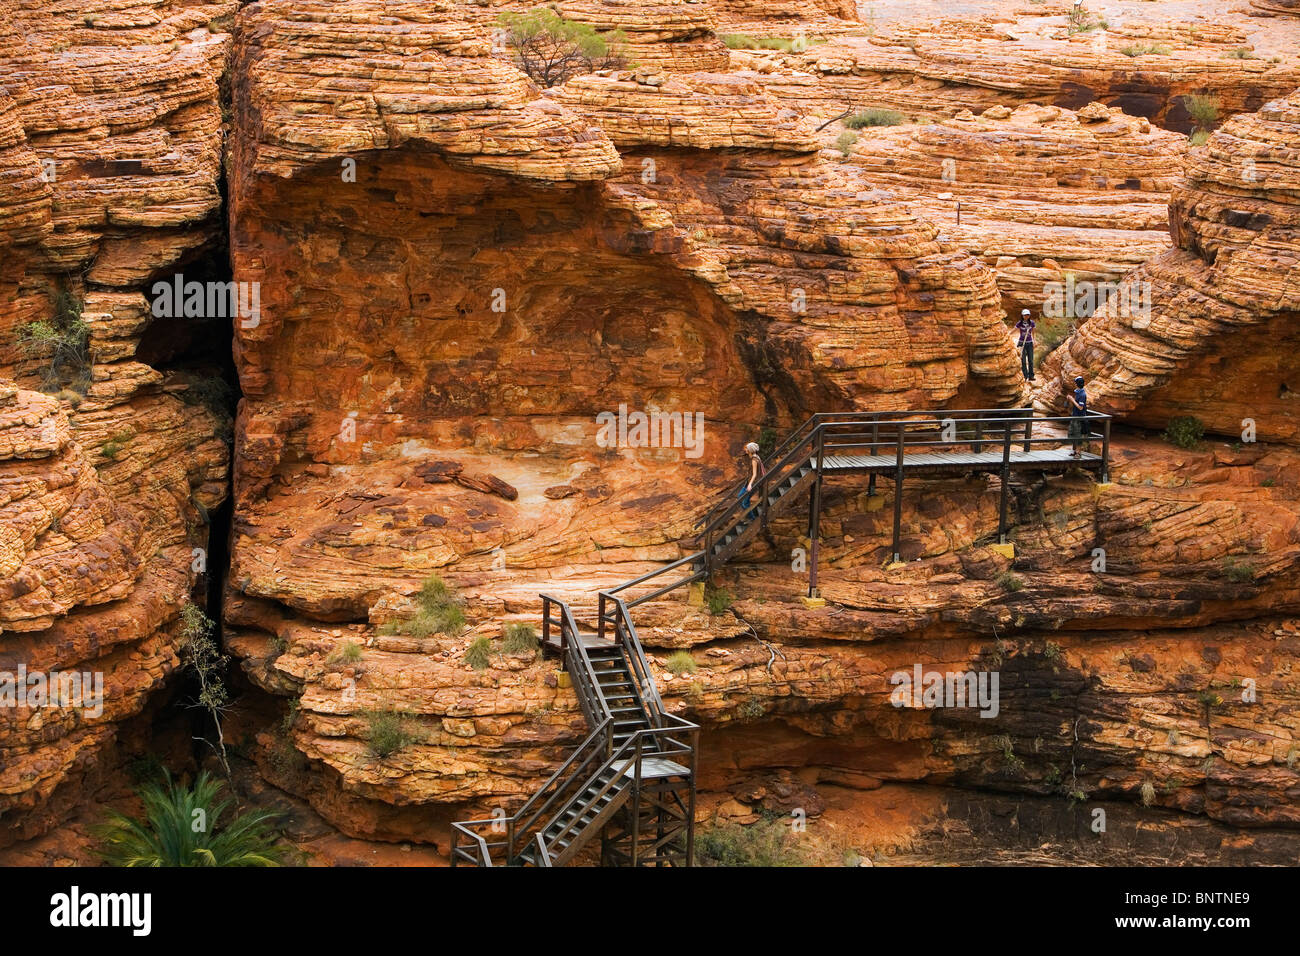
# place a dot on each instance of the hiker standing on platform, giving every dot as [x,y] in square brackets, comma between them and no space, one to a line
[1078,403]
[756,471]
[1026,327]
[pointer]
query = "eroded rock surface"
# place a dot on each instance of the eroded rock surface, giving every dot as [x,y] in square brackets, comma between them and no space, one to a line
[1219,341]
[1048,196]
[110,162]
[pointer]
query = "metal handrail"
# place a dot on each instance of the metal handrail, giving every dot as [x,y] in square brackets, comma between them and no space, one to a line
[577,663]
[1008,418]
[458,852]
[625,635]
[577,808]
[515,832]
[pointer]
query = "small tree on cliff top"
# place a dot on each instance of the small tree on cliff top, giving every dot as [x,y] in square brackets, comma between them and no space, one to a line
[551,49]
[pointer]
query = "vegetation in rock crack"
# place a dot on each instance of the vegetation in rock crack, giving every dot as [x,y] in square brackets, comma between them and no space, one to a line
[743,41]
[349,652]
[844,142]
[202,658]
[874,116]
[1148,793]
[189,826]
[387,732]
[551,49]
[63,342]
[717,600]
[1145,49]
[479,653]
[1203,109]
[681,662]
[1238,572]
[751,709]
[438,611]
[1185,431]
[519,639]
[1009,582]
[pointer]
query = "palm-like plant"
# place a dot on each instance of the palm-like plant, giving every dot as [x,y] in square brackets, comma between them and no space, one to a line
[182,827]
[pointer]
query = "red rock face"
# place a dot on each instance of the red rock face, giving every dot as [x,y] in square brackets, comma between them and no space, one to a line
[934,69]
[1048,196]
[1218,341]
[110,145]
[459,275]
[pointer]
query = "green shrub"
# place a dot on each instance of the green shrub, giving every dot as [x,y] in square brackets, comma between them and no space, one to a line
[1204,110]
[681,662]
[551,49]
[874,116]
[844,142]
[1184,432]
[764,843]
[1241,53]
[438,611]
[63,341]
[717,600]
[1145,49]
[349,652]
[1009,582]
[751,709]
[519,639]
[1238,573]
[479,653]
[1199,138]
[387,732]
[171,835]
[743,41]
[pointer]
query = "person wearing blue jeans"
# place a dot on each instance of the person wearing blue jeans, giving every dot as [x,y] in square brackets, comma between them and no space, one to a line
[756,471]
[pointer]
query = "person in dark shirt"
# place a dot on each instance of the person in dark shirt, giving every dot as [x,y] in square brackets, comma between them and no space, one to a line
[1078,404]
[1025,343]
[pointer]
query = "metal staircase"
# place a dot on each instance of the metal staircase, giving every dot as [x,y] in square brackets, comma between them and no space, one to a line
[632,781]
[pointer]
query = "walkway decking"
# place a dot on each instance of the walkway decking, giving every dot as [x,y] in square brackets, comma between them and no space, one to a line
[946,461]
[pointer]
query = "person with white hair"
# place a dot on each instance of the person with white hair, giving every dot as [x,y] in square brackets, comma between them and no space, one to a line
[756,471]
[1026,327]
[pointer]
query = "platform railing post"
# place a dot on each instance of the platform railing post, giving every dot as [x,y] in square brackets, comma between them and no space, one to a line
[1105,450]
[979,432]
[1006,482]
[815,518]
[898,493]
[1029,426]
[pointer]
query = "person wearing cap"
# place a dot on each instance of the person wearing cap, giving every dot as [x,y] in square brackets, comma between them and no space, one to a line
[756,471]
[1078,404]
[1026,327]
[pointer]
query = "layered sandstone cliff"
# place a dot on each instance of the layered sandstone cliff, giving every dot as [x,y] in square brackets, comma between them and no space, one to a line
[934,69]
[110,154]
[1219,339]
[1049,197]
[436,343]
